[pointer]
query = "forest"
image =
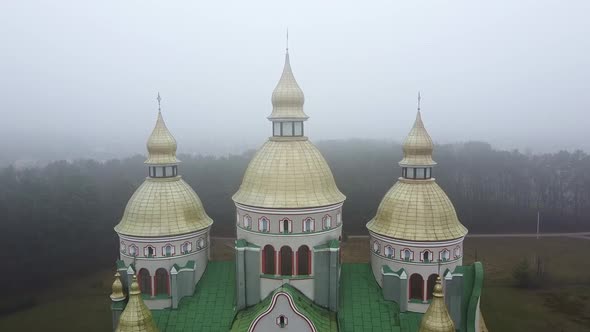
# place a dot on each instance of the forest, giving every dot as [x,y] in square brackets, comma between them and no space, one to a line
[57,221]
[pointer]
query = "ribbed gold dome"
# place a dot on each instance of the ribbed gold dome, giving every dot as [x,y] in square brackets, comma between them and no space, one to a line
[161,145]
[163,207]
[136,317]
[288,173]
[418,146]
[417,210]
[117,293]
[437,318]
[287,98]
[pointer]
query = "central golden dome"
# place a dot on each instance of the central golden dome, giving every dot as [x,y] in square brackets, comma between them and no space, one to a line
[288,174]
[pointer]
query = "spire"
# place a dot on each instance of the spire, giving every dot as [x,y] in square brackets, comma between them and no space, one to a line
[287,98]
[437,318]
[418,145]
[117,289]
[136,316]
[161,145]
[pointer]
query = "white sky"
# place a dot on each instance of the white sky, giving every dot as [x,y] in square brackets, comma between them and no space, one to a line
[513,73]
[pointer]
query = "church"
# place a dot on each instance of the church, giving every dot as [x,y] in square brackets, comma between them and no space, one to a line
[288,273]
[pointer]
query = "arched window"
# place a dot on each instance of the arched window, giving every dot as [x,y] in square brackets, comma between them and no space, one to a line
[123,247]
[263,224]
[285,226]
[133,250]
[457,252]
[186,247]
[201,243]
[145,281]
[389,252]
[168,250]
[376,247]
[327,221]
[268,260]
[430,285]
[426,256]
[247,222]
[149,251]
[162,282]
[445,255]
[407,255]
[303,260]
[416,287]
[308,225]
[282,321]
[286,258]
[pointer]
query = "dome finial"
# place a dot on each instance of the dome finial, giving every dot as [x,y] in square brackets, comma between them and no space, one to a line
[159,99]
[287,98]
[117,293]
[419,98]
[437,318]
[287,40]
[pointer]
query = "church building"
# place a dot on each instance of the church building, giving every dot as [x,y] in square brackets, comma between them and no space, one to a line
[287,274]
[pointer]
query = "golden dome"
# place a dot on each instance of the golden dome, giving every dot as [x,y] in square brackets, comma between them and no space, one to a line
[437,318]
[117,289]
[287,98]
[417,210]
[161,145]
[288,173]
[418,146]
[136,317]
[163,207]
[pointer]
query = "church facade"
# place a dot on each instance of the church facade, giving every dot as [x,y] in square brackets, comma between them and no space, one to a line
[287,274]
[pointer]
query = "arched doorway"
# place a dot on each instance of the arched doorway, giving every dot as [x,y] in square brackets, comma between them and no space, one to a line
[303,260]
[145,281]
[430,285]
[416,287]
[268,260]
[286,261]
[162,282]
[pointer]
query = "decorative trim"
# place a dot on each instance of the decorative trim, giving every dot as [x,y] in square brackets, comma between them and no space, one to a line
[422,244]
[273,304]
[282,212]
[163,239]
[292,234]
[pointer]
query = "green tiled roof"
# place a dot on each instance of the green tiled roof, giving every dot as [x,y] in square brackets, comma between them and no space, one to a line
[362,307]
[322,319]
[211,308]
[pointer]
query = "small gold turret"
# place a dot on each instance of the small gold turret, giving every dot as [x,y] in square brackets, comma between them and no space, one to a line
[117,293]
[136,317]
[437,318]
[418,146]
[161,145]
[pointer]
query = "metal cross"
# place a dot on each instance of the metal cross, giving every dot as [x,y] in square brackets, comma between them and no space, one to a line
[419,98]
[287,39]
[159,100]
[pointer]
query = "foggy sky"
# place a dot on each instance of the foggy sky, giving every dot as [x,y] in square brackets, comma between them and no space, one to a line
[512,73]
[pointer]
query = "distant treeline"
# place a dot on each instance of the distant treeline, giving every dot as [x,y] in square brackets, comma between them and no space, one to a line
[57,221]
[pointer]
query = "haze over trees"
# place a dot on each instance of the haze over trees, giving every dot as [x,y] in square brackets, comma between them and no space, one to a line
[57,220]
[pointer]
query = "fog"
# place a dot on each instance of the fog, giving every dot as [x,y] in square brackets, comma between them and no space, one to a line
[80,78]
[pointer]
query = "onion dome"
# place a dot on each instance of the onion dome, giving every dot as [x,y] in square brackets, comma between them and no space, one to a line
[136,317]
[163,207]
[117,289]
[288,174]
[287,98]
[437,318]
[161,145]
[418,146]
[417,210]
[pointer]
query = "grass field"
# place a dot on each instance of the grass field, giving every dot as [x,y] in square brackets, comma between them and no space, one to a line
[564,305]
